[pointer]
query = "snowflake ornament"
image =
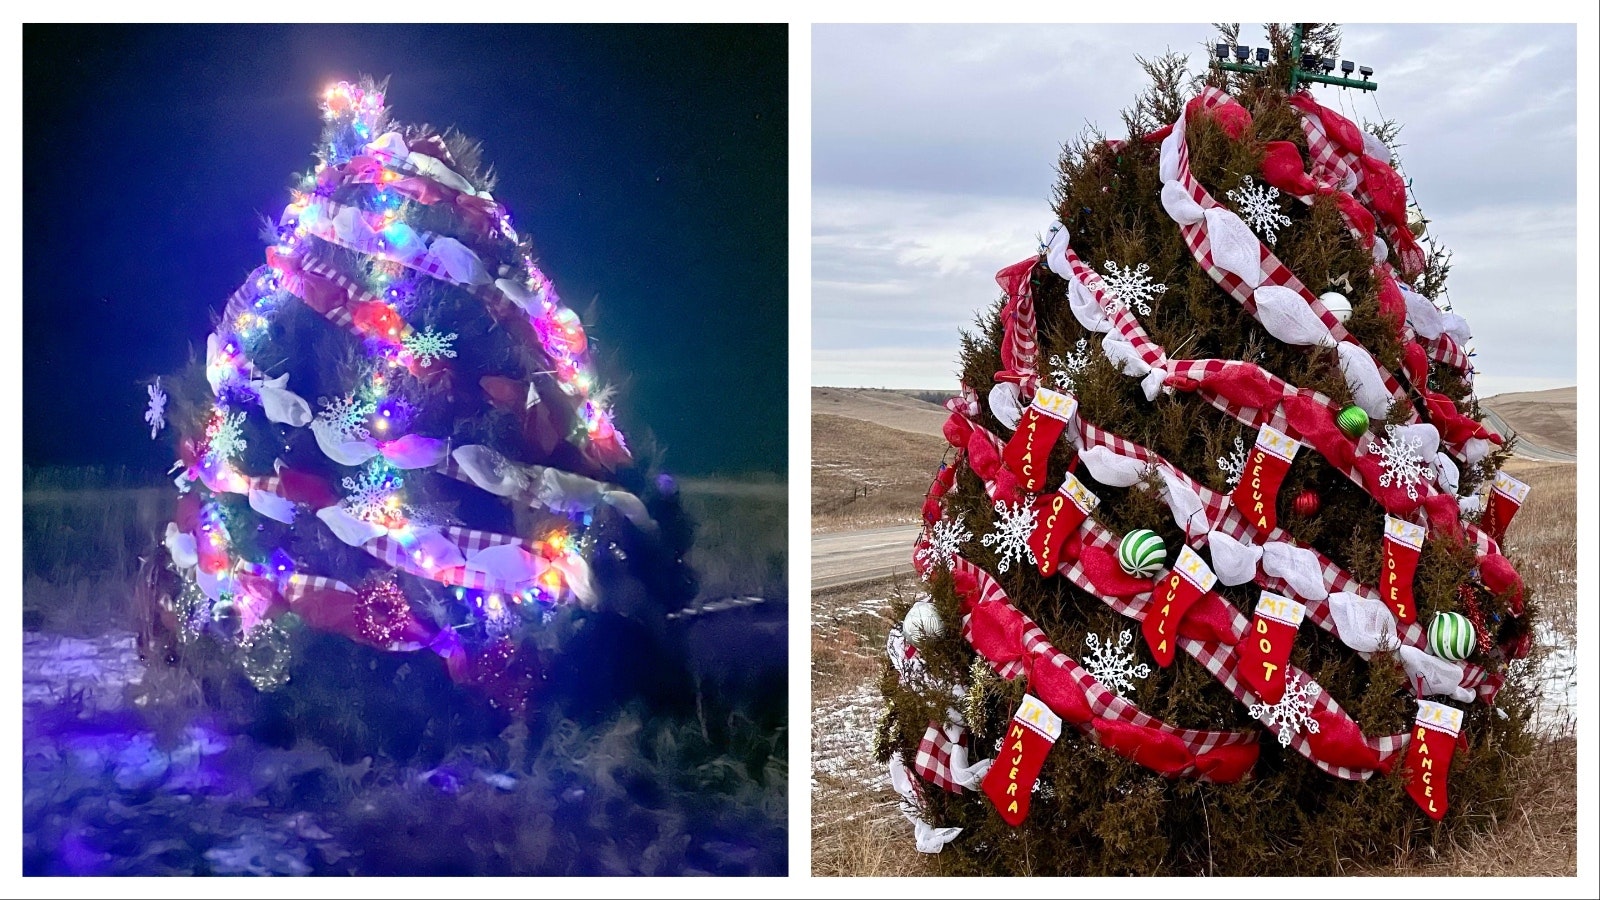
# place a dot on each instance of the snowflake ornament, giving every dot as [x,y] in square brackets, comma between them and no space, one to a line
[1258,207]
[156,415]
[427,346]
[943,543]
[1131,287]
[372,494]
[1010,537]
[1403,465]
[225,438]
[1066,368]
[1113,666]
[1232,465]
[347,416]
[1292,714]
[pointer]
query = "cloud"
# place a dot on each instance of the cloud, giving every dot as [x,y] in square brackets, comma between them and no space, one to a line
[934,151]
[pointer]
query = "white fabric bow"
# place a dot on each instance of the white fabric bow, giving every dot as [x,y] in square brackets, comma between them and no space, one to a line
[1180,205]
[1287,317]
[181,547]
[1085,308]
[1295,565]
[1187,510]
[412,451]
[1438,676]
[1233,561]
[1111,468]
[929,838]
[968,776]
[552,488]
[1234,247]
[1005,401]
[1364,380]
[281,404]
[1365,625]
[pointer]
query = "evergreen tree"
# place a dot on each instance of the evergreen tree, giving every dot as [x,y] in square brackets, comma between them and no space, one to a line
[399,477]
[1200,437]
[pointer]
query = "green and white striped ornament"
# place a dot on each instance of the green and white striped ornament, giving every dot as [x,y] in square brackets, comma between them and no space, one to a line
[1451,636]
[1141,553]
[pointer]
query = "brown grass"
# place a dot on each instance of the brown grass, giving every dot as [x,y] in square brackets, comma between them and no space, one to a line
[858,831]
[894,467]
[1548,418]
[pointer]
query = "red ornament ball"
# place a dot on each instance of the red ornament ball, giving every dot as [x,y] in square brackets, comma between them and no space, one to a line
[1307,503]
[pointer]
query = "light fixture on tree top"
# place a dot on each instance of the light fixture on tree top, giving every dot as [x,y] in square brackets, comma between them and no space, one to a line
[1311,68]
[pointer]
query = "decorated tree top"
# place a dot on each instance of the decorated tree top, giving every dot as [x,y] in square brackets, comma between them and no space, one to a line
[1329,613]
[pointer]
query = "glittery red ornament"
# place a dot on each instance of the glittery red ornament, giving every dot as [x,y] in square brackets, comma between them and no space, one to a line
[1306,503]
[503,676]
[382,612]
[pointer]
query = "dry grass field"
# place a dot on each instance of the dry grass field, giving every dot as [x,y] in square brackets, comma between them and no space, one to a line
[856,828]
[1544,417]
[865,475]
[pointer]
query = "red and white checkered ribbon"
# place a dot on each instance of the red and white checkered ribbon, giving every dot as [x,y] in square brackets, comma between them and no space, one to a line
[1103,701]
[1273,271]
[469,541]
[1020,345]
[1333,163]
[321,226]
[1123,322]
[1221,660]
[933,763]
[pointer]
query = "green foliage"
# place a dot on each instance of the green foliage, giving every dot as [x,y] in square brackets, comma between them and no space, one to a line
[1096,813]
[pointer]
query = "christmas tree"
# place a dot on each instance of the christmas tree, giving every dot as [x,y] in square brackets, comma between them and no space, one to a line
[396,461]
[1213,574]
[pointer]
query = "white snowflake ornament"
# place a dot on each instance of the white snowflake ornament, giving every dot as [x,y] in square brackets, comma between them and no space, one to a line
[1402,461]
[1232,465]
[1011,531]
[225,437]
[429,345]
[1113,666]
[347,417]
[372,494]
[156,414]
[944,542]
[1258,206]
[1131,287]
[1064,369]
[1292,714]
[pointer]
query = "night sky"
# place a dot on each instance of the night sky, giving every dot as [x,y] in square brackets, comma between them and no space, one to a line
[648,164]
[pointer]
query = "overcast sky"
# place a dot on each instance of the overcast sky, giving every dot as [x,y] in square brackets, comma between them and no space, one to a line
[934,149]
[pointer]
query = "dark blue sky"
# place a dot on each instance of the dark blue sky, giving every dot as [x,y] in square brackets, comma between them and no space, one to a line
[648,164]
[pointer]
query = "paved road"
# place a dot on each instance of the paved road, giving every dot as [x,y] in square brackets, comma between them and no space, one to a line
[848,557]
[1526,448]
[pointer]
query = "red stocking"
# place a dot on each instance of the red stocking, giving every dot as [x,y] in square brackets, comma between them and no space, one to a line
[1264,654]
[1028,452]
[1059,513]
[1504,501]
[1009,783]
[1188,581]
[1402,543]
[1433,742]
[1257,493]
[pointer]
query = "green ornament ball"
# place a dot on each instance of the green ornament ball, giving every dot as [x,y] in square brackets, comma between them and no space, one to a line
[1141,553]
[1451,636]
[1353,421]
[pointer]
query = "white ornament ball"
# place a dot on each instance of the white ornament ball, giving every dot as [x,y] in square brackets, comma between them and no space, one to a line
[1338,304]
[1416,223]
[922,621]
